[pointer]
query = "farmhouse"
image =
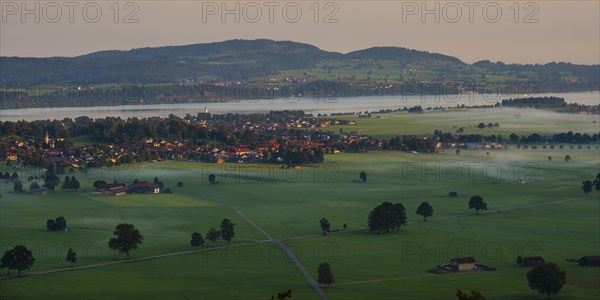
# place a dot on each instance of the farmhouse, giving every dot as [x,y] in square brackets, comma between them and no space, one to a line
[589,261]
[533,260]
[39,191]
[463,263]
[143,187]
[116,191]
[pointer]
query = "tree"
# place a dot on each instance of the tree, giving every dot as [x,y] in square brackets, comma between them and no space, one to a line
[212,179]
[213,234]
[34,185]
[567,158]
[18,186]
[8,261]
[363,176]
[519,260]
[227,230]
[50,224]
[325,275]
[587,187]
[59,224]
[387,216]
[425,210]
[19,258]
[475,295]
[325,226]
[71,256]
[597,182]
[285,295]
[547,278]
[127,238]
[477,203]
[197,240]
[549,158]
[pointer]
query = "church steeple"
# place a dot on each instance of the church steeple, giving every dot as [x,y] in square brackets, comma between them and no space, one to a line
[46,138]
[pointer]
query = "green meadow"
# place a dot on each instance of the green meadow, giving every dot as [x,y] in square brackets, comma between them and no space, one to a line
[511,120]
[547,215]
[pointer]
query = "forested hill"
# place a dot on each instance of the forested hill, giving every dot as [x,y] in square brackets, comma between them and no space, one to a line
[222,61]
[180,74]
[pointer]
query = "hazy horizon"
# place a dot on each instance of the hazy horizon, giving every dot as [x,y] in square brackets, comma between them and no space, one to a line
[543,32]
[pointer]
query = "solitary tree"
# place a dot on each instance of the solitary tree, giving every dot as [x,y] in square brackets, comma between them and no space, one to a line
[213,234]
[475,295]
[477,203]
[363,176]
[227,231]
[425,210]
[71,256]
[128,238]
[547,278]
[197,240]
[587,187]
[19,258]
[567,158]
[387,216]
[325,275]
[325,226]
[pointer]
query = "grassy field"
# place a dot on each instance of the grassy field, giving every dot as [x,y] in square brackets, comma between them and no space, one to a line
[548,215]
[511,120]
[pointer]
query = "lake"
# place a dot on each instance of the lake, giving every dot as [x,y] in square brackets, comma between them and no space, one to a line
[309,105]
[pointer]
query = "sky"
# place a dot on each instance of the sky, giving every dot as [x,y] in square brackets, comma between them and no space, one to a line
[508,31]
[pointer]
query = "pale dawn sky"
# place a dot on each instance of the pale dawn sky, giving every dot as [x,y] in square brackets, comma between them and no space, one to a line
[526,32]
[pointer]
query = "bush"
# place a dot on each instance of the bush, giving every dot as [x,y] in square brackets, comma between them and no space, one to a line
[180,184]
[167,191]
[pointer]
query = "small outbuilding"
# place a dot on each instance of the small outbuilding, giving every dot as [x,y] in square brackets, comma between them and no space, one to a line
[533,261]
[589,261]
[463,263]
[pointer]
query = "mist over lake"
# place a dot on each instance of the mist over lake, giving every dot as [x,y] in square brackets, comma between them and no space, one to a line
[322,105]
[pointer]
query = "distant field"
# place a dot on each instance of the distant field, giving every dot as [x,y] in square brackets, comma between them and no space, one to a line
[152,200]
[511,120]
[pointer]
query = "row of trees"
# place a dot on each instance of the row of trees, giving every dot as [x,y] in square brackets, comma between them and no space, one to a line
[388,216]
[226,231]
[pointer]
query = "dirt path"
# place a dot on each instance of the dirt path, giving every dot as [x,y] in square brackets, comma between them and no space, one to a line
[277,242]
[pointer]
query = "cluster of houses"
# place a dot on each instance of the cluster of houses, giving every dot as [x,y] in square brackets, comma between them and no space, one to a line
[119,188]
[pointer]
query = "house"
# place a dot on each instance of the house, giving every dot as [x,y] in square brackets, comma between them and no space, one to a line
[143,187]
[108,186]
[117,191]
[532,260]
[463,263]
[40,191]
[589,261]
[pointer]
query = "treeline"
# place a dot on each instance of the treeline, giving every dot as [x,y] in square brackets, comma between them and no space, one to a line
[553,103]
[535,102]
